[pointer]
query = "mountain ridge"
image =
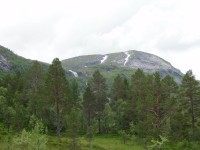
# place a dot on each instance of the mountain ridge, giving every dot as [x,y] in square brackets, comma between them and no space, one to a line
[128,60]
[124,63]
[11,62]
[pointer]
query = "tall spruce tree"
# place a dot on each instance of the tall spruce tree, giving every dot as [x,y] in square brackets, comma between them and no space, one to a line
[119,88]
[169,98]
[34,89]
[140,99]
[75,100]
[57,90]
[73,130]
[157,100]
[99,89]
[161,104]
[88,105]
[190,101]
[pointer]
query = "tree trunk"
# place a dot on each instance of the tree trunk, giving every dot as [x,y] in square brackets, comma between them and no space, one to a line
[192,113]
[58,119]
[99,122]
[58,115]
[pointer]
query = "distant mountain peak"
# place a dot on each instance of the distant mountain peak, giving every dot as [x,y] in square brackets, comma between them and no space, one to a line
[82,67]
[129,60]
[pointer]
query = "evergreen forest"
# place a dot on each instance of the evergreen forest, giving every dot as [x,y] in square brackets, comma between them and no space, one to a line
[42,108]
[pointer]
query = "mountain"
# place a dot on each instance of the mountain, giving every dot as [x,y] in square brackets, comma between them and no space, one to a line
[124,63]
[82,67]
[11,62]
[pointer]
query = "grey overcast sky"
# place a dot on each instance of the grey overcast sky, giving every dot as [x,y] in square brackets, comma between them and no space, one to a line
[45,29]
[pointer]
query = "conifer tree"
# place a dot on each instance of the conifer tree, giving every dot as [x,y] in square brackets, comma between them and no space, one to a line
[88,105]
[34,89]
[108,118]
[73,129]
[57,91]
[99,89]
[190,101]
[169,98]
[119,88]
[140,99]
[75,100]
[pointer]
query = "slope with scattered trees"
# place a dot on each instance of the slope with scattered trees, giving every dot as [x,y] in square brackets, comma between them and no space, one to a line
[148,110]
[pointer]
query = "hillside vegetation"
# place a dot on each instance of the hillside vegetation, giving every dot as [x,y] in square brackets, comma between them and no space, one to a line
[11,62]
[44,109]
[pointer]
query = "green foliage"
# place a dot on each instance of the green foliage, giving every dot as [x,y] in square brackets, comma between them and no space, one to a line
[119,108]
[73,130]
[57,89]
[9,114]
[186,145]
[108,118]
[158,144]
[75,100]
[190,103]
[2,102]
[119,88]
[16,63]
[99,87]
[99,142]
[124,136]
[90,136]
[34,89]
[31,140]
[137,110]
[88,105]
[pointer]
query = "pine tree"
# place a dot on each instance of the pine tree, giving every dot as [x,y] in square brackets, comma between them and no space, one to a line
[156,110]
[34,89]
[108,118]
[162,103]
[3,104]
[75,100]
[88,105]
[73,129]
[119,88]
[140,101]
[99,89]
[169,98]
[190,101]
[57,90]
[120,114]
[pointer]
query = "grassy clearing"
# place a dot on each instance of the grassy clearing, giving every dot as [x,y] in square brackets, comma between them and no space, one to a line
[100,142]
[114,143]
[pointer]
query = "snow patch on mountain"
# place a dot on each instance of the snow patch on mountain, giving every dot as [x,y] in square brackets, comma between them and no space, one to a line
[104,59]
[127,58]
[74,73]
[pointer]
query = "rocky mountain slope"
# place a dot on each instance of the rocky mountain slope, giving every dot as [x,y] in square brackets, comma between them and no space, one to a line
[124,63]
[82,67]
[11,62]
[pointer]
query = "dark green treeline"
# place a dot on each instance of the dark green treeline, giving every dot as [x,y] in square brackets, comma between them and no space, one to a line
[146,106]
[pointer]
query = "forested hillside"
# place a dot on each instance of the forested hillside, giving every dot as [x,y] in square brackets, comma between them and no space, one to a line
[147,112]
[11,62]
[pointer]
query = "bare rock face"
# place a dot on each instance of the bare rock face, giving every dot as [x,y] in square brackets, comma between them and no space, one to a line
[4,64]
[146,61]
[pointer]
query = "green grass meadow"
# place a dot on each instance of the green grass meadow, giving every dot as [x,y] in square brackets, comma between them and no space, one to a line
[100,142]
